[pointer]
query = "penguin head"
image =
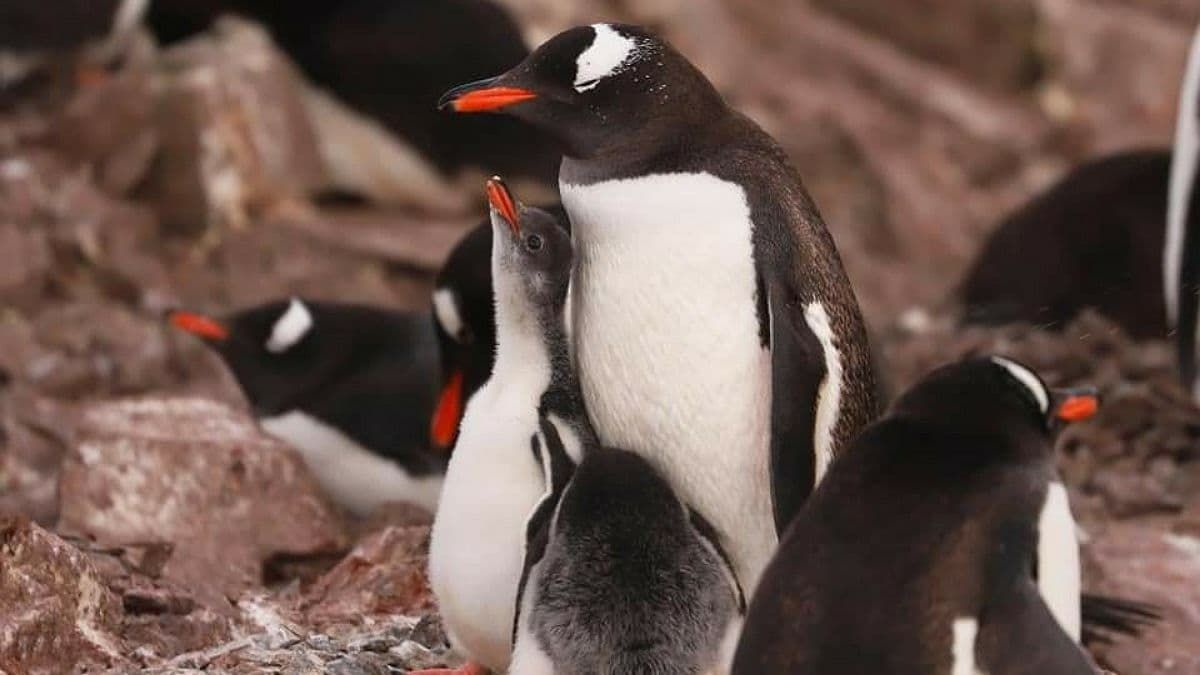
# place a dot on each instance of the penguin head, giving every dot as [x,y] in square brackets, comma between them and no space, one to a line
[531,245]
[604,88]
[281,350]
[994,393]
[466,330]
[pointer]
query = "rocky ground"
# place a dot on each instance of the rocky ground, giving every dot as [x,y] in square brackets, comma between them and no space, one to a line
[146,525]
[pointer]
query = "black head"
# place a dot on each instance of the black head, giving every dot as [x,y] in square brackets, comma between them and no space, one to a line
[600,89]
[529,246]
[993,393]
[283,351]
[466,329]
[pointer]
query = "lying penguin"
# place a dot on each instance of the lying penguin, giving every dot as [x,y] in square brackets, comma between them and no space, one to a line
[351,387]
[940,541]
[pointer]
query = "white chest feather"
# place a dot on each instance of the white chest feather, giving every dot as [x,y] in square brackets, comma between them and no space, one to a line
[478,540]
[1185,162]
[353,476]
[667,342]
[1058,561]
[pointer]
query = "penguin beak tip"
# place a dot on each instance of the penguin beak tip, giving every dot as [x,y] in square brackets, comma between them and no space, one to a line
[501,201]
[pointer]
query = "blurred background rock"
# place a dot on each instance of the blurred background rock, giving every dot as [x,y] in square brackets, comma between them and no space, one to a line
[227,153]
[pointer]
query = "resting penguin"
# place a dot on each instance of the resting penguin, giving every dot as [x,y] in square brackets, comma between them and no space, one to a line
[940,542]
[466,328]
[493,481]
[715,330]
[351,387]
[620,576]
[1181,254]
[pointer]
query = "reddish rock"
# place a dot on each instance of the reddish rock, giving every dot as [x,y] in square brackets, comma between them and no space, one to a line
[56,615]
[107,124]
[1162,568]
[236,139]
[201,477]
[384,574]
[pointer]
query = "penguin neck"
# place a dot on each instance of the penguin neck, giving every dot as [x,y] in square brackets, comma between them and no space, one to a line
[521,351]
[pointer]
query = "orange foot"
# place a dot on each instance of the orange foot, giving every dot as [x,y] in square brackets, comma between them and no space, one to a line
[468,668]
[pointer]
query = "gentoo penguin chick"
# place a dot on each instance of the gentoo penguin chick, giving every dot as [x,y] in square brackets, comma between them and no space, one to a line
[620,576]
[493,481]
[1092,240]
[351,387]
[703,267]
[940,542]
[466,326]
[1181,254]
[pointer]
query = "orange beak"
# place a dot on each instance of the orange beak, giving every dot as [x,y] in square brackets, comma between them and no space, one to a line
[448,412]
[502,202]
[1078,408]
[199,325]
[481,96]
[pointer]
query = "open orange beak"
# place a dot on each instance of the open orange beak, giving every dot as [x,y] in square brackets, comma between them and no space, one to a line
[1077,408]
[502,202]
[448,412]
[482,96]
[199,325]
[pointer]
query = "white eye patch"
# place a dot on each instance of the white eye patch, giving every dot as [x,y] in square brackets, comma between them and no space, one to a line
[290,327]
[607,54]
[1026,377]
[445,311]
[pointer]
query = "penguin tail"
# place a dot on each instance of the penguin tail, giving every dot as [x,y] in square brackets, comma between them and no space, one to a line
[1105,616]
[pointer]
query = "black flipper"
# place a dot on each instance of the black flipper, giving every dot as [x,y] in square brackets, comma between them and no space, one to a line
[1105,616]
[797,371]
[557,469]
[1019,636]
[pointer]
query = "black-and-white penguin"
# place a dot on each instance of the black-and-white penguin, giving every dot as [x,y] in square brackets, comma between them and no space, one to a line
[493,481]
[1092,240]
[466,324]
[940,542]
[715,330]
[1181,254]
[619,575]
[351,387]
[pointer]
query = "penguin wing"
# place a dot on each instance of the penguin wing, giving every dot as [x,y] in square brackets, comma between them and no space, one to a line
[557,469]
[798,371]
[1019,636]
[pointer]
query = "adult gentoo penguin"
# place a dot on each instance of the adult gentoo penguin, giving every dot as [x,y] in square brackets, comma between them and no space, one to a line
[466,325]
[715,330]
[351,387]
[1092,240]
[493,481]
[1181,253]
[914,555]
[619,575]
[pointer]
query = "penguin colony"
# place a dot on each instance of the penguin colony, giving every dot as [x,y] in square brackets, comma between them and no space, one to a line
[662,410]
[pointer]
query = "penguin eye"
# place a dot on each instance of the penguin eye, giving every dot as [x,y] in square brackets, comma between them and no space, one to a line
[533,242]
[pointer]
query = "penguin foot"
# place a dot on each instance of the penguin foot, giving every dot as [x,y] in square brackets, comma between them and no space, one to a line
[468,668]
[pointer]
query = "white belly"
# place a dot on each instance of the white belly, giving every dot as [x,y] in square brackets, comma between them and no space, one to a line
[350,474]
[667,344]
[478,540]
